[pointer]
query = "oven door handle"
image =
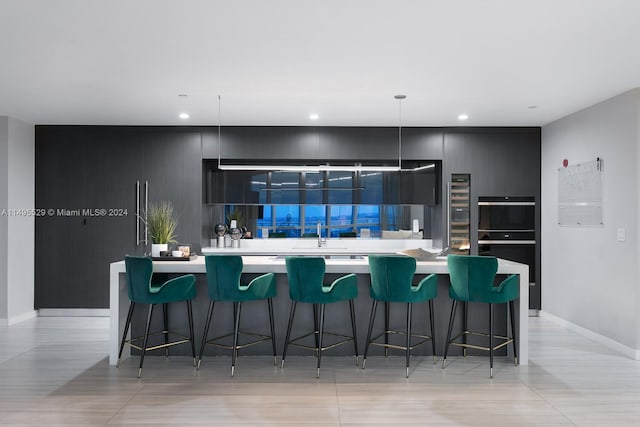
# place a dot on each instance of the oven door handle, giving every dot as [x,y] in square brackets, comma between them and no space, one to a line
[506,242]
[448,214]
[506,203]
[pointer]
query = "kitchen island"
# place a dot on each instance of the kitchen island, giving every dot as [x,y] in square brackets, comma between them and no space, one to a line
[263,264]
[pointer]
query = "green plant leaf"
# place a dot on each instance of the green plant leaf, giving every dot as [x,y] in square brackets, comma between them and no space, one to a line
[161,225]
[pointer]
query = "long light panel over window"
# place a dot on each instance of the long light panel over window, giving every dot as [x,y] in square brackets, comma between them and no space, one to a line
[314,168]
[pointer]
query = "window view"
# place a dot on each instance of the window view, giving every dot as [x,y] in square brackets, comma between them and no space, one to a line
[342,203]
[302,220]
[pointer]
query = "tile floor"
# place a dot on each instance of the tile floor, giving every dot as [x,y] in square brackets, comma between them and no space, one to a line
[54,371]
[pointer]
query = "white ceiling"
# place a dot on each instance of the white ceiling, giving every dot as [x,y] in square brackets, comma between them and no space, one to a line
[273,62]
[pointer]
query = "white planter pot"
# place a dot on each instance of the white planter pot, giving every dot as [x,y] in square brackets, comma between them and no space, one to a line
[157,247]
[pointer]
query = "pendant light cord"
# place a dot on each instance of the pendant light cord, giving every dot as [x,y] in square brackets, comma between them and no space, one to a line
[400,133]
[219,126]
[400,98]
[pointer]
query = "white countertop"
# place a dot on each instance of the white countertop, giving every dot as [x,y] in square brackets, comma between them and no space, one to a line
[309,246]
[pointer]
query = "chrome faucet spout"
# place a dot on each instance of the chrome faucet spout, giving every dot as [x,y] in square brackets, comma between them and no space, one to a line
[321,241]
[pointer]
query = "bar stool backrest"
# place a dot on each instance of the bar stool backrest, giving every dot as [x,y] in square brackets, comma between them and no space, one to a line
[472,276]
[391,277]
[223,276]
[139,271]
[305,275]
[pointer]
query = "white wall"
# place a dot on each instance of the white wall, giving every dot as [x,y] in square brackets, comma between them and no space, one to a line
[4,188]
[589,278]
[17,192]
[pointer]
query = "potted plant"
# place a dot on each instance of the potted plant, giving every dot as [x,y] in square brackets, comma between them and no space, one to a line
[161,226]
[234,215]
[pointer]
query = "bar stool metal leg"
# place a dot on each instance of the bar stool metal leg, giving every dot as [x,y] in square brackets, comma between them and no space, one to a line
[273,333]
[292,313]
[206,332]
[315,325]
[491,340]
[320,333]
[165,322]
[126,330]
[433,330]
[451,319]
[352,309]
[408,351]
[234,351]
[513,332]
[191,332]
[146,338]
[465,326]
[387,307]
[372,318]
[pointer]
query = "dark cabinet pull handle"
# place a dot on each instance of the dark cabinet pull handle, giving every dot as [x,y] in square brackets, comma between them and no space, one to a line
[137,213]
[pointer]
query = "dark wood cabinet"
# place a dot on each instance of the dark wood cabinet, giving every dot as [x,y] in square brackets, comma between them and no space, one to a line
[501,162]
[97,167]
[91,171]
[324,144]
[367,188]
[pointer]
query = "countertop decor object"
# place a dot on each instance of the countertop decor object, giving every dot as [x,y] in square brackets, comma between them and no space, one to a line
[235,234]
[161,225]
[191,257]
[220,230]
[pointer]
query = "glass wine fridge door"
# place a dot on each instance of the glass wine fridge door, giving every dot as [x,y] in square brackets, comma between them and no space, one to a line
[458,214]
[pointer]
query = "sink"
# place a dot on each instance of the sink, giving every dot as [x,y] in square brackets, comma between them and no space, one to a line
[332,256]
[319,249]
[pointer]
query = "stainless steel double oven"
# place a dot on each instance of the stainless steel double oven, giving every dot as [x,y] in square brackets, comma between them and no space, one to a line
[506,229]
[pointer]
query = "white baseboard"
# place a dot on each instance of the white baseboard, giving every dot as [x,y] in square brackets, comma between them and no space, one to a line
[73,312]
[631,353]
[19,318]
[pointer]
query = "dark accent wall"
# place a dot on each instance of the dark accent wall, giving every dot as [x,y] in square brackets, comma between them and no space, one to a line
[84,169]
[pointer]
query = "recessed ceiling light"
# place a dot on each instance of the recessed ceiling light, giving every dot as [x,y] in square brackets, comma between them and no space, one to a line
[463,117]
[314,116]
[184,116]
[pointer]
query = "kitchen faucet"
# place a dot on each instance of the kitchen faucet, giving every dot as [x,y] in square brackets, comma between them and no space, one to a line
[321,241]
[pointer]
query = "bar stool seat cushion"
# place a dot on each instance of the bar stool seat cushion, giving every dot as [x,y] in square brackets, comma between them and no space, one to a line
[140,272]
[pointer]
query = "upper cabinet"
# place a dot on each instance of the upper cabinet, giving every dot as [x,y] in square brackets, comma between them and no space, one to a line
[323,145]
[326,144]
[415,185]
[501,162]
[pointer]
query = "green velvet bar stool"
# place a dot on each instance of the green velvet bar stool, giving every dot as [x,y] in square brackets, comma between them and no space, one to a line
[392,281]
[306,285]
[144,289]
[472,280]
[224,274]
